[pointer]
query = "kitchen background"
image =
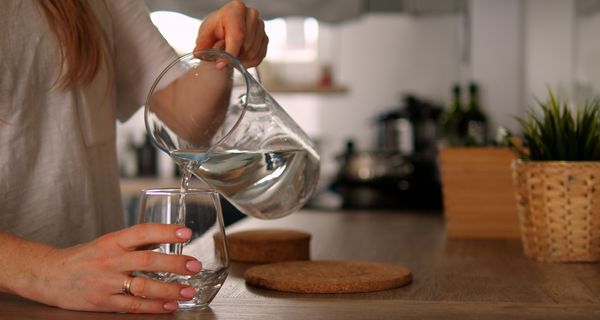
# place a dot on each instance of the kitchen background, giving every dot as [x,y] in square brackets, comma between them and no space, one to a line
[337,74]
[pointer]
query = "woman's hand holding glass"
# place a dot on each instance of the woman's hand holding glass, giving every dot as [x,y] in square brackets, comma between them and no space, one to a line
[91,276]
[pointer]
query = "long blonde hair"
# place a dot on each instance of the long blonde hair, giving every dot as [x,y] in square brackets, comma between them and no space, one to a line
[79,36]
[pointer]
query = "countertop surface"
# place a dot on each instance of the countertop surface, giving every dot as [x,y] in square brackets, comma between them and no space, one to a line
[452,279]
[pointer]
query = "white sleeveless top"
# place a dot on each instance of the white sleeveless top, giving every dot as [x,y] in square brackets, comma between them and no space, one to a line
[59,181]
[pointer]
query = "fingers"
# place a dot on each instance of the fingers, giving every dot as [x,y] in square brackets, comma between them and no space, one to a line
[149,233]
[240,27]
[234,25]
[154,289]
[132,304]
[208,34]
[156,262]
[219,45]
[204,40]
[256,57]
[252,25]
[150,296]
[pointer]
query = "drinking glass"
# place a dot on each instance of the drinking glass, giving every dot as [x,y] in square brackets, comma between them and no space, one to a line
[201,212]
[218,123]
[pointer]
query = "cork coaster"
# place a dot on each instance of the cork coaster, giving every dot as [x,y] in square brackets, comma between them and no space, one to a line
[267,245]
[346,276]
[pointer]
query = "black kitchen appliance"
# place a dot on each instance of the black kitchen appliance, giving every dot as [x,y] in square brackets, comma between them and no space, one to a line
[402,171]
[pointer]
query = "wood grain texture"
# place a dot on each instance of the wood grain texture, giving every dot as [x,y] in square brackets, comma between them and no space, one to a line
[479,198]
[452,278]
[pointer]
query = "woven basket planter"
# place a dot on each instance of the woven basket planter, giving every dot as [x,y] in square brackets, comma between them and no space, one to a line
[559,209]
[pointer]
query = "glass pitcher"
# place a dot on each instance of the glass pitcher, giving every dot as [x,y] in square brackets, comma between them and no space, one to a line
[218,123]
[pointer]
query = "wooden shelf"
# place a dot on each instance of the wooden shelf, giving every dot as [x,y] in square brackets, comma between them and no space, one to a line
[306,89]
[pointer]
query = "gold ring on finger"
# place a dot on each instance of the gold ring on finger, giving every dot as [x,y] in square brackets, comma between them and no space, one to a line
[126,288]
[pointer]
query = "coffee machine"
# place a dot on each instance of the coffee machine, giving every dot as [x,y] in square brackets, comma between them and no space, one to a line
[402,171]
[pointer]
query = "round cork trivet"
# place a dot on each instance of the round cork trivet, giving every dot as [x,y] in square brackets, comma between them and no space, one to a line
[268,245]
[345,276]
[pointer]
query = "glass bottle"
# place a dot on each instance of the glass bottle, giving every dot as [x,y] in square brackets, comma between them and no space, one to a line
[475,121]
[147,159]
[129,158]
[452,120]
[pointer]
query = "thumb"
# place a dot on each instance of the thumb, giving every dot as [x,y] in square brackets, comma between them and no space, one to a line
[204,41]
[219,45]
[207,35]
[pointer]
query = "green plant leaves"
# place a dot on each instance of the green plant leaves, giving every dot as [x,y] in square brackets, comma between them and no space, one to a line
[561,134]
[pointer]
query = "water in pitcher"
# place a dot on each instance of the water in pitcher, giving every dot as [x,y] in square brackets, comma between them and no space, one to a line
[262,184]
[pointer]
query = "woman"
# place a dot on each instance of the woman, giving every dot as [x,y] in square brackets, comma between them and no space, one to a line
[68,69]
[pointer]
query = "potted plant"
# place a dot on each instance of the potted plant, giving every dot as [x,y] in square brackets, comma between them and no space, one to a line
[556,178]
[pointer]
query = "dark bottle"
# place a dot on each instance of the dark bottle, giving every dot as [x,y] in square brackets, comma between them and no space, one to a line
[475,121]
[129,162]
[147,159]
[452,121]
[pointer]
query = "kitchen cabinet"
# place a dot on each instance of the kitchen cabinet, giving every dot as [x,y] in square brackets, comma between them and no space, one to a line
[452,279]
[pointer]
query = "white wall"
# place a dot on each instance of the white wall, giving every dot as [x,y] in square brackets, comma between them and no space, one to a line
[379,58]
[587,59]
[550,51]
[496,58]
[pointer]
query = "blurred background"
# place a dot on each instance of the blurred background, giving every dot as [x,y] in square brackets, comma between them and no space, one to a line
[371,81]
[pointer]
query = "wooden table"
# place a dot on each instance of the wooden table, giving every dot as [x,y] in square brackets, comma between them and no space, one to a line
[453,279]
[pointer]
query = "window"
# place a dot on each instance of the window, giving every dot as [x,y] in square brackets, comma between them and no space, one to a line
[178,29]
[293,39]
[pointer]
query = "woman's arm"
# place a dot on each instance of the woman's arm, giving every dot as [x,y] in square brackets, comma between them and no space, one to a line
[20,263]
[90,276]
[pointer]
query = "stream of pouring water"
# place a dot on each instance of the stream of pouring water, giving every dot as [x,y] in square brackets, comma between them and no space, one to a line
[186,174]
